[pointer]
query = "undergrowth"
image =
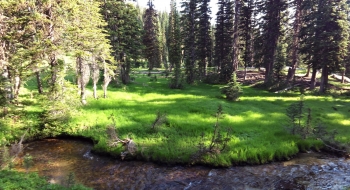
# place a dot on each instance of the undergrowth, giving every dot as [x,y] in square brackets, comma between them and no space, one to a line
[12,180]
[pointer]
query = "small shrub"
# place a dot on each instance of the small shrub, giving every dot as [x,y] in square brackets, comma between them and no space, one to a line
[153,78]
[233,89]
[161,118]
[177,83]
[302,127]
[28,162]
[58,109]
[218,142]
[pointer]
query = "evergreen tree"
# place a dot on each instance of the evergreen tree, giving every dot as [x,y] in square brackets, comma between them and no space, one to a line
[189,28]
[224,39]
[174,44]
[325,36]
[20,43]
[236,34]
[163,26]
[150,38]
[296,38]
[272,11]
[246,28]
[203,37]
[125,29]
[86,23]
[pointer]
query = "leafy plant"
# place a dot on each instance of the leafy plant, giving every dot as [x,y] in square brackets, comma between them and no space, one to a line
[233,89]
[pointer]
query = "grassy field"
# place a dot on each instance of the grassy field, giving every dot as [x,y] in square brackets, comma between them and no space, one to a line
[257,121]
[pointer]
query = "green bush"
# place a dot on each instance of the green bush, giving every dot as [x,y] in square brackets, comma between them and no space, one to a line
[233,89]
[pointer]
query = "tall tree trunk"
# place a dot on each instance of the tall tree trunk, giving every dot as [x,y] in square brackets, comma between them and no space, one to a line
[125,71]
[324,79]
[95,75]
[39,83]
[295,43]
[272,37]
[236,36]
[16,87]
[313,79]
[107,79]
[83,72]
[54,73]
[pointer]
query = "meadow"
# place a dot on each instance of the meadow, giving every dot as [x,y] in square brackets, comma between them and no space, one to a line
[257,122]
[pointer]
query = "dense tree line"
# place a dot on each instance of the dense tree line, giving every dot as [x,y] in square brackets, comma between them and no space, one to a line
[37,37]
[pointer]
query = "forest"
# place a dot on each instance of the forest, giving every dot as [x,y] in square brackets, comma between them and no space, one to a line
[263,81]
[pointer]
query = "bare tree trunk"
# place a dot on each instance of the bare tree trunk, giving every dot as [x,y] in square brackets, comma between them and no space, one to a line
[245,73]
[313,79]
[83,71]
[16,86]
[39,83]
[95,75]
[107,79]
[343,76]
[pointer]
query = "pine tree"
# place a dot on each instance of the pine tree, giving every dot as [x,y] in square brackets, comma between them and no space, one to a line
[246,28]
[203,37]
[325,36]
[236,34]
[296,38]
[271,30]
[174,44]
[163,26]
[189,27]
[150,38]
[224,39]
[125,32]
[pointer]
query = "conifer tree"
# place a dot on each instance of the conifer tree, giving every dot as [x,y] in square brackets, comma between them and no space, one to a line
[126,31]
[174,44]
[150,38]
[203,37]
[224,39]
[296,38]
[246,30]
[163,26]
[325,36]
[189,27]
[236,34]
[272,11]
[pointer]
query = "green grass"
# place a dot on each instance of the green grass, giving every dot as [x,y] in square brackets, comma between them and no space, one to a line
[258,121]
[12,180]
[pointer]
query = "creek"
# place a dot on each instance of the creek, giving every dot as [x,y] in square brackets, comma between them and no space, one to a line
[57,158]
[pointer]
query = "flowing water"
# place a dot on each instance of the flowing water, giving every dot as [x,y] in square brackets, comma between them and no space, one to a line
[57,158]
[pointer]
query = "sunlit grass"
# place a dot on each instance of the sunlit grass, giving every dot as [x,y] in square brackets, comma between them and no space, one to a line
[257,121]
